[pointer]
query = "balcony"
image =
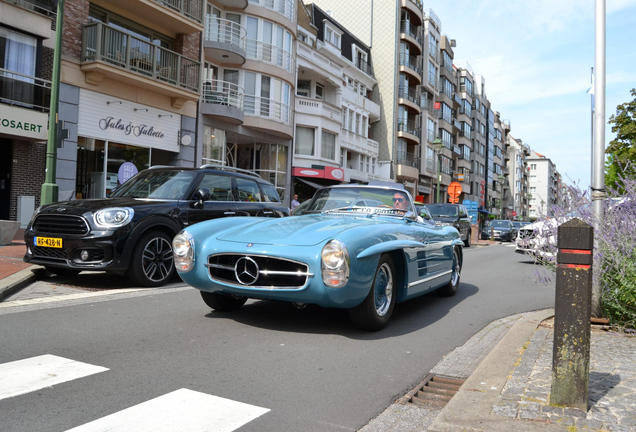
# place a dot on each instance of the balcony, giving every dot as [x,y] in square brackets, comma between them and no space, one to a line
[414,6]
[25,91]
[408,96]
[364,66]
[408,165]
[110,53]
[286,8]
[177,16]
[266,53]
[318,108]
[223,99]
[268,115]
[224,41]
[410,130]
[43,7]
[410,33]
[408,64]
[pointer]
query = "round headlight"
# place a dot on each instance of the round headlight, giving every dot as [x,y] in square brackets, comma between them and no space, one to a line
[183,249]
[113,217]
[334,254]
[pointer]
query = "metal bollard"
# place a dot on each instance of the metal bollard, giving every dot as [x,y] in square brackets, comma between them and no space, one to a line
[572,315]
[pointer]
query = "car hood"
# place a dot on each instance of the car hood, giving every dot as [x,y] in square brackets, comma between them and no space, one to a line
[304,230]
[79,207]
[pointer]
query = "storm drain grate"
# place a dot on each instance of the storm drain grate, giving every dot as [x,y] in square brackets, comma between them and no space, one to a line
[435,391]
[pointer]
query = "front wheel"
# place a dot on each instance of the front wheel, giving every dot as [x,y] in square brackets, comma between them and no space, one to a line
[374,312]
[152,261]
[223,302]
[467,242]
[450,289]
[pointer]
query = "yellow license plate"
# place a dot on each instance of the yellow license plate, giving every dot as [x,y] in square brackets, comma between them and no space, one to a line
[48,242]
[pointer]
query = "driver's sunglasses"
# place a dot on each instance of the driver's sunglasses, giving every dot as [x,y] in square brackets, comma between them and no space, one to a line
[398,199]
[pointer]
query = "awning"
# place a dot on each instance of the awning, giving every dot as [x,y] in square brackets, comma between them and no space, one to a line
[484,211]
[310,183]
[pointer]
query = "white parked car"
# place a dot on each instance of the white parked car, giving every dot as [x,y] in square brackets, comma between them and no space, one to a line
[538,239]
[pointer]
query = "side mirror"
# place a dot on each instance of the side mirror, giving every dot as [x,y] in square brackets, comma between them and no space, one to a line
[201,195]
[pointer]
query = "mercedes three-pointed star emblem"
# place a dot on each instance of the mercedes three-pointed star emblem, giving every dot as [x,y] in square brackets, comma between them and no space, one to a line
[246,270]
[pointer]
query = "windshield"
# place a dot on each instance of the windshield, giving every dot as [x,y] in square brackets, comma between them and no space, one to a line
[499,224]
[156,184]
[442,210]
[365,197]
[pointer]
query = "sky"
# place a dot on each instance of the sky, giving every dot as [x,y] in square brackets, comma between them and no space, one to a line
[536,58]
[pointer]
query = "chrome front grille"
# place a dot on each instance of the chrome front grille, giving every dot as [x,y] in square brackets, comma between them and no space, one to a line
[60,225]
[257,271]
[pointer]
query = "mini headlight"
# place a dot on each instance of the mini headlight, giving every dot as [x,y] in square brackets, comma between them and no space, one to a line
[335,264]
[183,250]
[113,217]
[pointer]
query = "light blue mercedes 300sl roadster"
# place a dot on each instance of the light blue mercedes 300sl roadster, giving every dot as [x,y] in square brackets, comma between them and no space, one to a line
[356,247]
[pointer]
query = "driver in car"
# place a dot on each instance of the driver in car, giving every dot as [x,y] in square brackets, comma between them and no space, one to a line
[400,201]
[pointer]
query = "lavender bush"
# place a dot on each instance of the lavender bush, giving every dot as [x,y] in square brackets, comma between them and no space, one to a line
[615,249]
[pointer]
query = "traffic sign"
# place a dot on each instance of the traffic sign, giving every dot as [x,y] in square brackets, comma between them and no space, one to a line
[454,191]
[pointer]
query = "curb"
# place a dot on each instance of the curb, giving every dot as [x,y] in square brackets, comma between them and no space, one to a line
[471,408]
[15,282]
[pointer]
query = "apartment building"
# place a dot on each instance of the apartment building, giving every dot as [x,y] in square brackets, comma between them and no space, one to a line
[517,153]
[393,30]
[249,79]
[543,185]
[335,107]
[27,34]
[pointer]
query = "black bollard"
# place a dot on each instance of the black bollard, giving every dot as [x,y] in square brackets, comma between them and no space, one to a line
[572,315]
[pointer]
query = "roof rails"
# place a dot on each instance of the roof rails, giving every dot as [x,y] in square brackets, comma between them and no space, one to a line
[229,168]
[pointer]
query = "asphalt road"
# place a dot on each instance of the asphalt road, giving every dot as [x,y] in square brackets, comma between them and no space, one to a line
[297,370]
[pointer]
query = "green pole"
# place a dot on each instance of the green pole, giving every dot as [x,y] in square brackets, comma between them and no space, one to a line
[49,187]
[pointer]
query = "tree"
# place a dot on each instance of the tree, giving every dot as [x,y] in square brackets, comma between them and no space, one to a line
[622,149]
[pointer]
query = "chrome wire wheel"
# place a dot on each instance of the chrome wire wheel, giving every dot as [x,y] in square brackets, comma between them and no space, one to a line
[383,289]
[456,270]
[157,259]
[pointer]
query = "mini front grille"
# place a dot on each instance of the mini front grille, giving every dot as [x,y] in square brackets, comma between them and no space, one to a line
[45,252]
[262,271]
[60,225]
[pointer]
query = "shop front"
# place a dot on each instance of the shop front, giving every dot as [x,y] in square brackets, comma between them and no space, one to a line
[118,138]
[307,180]
[23,135]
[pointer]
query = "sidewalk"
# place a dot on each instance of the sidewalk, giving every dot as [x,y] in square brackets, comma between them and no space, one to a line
[15,274]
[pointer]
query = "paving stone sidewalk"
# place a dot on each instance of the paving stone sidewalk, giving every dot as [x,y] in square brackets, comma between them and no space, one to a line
[612,385]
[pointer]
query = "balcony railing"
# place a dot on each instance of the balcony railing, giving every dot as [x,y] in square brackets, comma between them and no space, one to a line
[190,8]
[224,93]
[410,29]
[268,53]
[409,93]
[225,31]
[24,90]
[409,126]
[287,8]
[107,44]
[364,66]
[267,108]
[43,7]
[410,62]
[408,159]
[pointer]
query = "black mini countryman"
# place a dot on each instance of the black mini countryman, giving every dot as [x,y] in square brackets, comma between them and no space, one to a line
[131,231]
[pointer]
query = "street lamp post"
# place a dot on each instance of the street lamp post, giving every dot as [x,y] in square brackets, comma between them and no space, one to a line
[438,150]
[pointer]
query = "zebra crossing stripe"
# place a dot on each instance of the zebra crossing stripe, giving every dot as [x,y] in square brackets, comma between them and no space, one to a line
[180,410]
[35,373]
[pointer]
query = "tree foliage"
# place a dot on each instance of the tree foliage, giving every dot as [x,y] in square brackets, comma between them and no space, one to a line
[622,149]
